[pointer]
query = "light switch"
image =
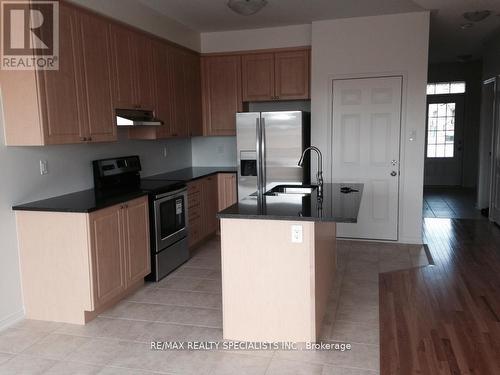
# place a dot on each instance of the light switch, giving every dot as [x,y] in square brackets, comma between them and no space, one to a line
[297,233]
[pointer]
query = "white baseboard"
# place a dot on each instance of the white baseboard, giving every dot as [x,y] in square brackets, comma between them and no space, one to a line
[411,240]
[11,319]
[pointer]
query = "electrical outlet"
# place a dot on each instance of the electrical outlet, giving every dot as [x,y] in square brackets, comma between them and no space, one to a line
[220,149]
[297,233]
[165,151]
[44,167]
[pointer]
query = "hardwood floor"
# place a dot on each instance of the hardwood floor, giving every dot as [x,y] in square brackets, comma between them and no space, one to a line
[445,318]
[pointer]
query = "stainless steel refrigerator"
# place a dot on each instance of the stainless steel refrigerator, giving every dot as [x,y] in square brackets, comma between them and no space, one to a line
[269,146]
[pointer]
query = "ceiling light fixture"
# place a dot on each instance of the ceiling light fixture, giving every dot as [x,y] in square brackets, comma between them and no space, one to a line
[477,16]
[466,26]
[246,7]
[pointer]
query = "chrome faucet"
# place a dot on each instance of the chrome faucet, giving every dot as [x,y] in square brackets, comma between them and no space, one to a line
[319,175]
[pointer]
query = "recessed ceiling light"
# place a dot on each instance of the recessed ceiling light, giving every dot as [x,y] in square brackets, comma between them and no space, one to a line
[246,7]
[477,16]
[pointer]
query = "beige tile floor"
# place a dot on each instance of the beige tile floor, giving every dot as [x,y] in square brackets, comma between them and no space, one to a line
[187,306]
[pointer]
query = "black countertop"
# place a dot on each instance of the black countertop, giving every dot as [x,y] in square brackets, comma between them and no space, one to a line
[88,200]
[81,201]
[335,207]
[190,174]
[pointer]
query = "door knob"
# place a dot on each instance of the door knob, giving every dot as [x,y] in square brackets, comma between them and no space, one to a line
[394,173]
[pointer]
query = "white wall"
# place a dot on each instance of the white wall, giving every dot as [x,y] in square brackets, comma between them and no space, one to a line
[241,40]
[139,15]
[373,46]
[491,57]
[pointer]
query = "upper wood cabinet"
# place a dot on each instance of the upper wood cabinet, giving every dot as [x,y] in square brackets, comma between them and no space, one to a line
[292,75]
[282,75]
[221,93]
[97,60]
[132,68]
[257,76]
[192,82]
[69,105]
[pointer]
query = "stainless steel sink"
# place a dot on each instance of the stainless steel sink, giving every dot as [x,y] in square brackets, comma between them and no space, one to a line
[292,190]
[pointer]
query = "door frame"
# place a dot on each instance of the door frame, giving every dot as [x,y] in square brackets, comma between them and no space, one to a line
[495,132]
[441,98]
[402,133]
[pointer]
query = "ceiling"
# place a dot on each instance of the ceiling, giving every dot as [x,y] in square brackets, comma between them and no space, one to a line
[448,40]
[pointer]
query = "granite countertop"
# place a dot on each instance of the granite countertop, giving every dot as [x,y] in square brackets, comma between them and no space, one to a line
[335,207]
[190,174]
[89,200]
[81,201]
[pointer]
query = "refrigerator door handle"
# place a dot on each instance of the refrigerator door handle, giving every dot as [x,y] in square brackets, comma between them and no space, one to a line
[258,156]
[263,153]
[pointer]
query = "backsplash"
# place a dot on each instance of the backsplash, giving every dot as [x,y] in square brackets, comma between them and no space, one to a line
[213,151]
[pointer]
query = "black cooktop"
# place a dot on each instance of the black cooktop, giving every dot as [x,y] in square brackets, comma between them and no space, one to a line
[160,186]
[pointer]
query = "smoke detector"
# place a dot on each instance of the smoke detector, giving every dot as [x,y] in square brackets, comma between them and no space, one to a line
[246,7]
[477,16]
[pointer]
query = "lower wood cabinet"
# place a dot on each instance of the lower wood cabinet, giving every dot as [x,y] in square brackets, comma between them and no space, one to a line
[75,265]
[227,189]
[119,248]
[205,196]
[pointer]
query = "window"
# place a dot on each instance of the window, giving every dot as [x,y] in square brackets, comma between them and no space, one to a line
[441,130]
[445,88]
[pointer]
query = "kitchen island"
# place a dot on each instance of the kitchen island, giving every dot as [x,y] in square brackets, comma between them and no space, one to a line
[279,262]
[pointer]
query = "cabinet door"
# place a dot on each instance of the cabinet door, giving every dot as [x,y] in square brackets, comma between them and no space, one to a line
[137,253]
[96,50]
[142,52]
[179,123]
[257,71]
[123,67]
[192,77]
[61,92]
[163,88]
[210,205]
[107,240]
[227,190]
[221,77]
[292,75]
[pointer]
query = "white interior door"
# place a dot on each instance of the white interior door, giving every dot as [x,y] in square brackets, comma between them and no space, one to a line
[366,138]
[443,152]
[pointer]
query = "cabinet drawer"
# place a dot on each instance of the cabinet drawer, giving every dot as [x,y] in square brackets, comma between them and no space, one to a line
[194,199]
[194,187]
[195,230]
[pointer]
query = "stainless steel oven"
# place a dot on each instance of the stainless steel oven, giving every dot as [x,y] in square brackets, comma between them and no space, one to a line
[170,218]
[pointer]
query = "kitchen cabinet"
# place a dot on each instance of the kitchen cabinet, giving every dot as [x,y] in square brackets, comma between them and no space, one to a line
[74,265]
[97,60]
[69,105]
[221,93]
[210,204]
[119,248]
[281,75]
[177,94]
[227,190]
[202,209]
[192,84]
[257,76]
[206,197]
[132,68]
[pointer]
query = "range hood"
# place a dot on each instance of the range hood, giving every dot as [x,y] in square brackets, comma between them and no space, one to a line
[136,117]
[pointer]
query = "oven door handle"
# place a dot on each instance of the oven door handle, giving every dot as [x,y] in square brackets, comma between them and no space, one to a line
[171,193]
